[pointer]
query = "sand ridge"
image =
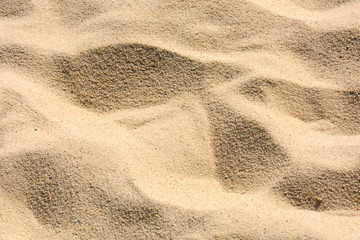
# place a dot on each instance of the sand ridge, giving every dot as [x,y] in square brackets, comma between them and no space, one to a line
[179,119]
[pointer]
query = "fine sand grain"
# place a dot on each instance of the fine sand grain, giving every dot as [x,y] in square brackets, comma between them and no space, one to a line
[180,119]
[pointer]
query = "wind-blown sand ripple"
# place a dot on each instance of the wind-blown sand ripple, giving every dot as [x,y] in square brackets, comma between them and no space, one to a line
[179,119]
[321,4]
[309,104]
[15,8]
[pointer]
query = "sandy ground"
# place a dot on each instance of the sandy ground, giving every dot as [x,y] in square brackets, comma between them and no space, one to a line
[180,119]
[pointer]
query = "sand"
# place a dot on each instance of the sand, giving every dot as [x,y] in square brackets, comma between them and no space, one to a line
[180,119]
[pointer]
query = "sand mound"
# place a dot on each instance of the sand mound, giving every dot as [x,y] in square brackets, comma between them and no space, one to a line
[131,75]
[63,193]
[246,153]
[322,190]
[121,76]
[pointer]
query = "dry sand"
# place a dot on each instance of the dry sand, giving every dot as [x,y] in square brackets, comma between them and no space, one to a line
[180,119]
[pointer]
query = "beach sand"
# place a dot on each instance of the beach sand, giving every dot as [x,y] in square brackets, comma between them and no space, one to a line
[180,119]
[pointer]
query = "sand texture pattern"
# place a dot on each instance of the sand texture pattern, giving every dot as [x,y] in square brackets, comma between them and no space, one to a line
[178,119]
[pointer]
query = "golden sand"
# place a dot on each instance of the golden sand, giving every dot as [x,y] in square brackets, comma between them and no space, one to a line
[180,119]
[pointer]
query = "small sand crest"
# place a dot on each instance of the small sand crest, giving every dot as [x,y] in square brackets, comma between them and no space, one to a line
[334,54]
[321,4]
[15,8]
[75,12]
[15,114]
[322,190]
[340,108]
[246,153]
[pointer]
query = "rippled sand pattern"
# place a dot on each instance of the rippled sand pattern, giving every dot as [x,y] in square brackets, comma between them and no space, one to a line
[180,119]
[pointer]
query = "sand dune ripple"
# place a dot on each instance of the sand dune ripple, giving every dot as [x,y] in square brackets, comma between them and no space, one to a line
[179,119]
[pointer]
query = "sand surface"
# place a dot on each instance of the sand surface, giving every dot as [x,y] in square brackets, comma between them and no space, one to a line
[177,119]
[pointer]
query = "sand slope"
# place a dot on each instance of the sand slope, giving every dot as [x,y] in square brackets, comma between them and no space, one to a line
[179,119]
